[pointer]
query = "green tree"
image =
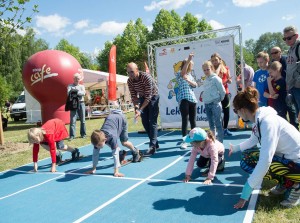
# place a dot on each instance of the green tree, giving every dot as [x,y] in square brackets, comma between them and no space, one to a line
[102,58]
[190,24]
[83,59]
[268,40]
[12,18]
[166,25]
[5,91]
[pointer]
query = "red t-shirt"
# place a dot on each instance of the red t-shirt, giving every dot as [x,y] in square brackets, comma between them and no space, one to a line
[225,76]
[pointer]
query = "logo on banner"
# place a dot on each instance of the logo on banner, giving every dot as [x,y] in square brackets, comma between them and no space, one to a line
[39,74]
[222,42]
[163,53]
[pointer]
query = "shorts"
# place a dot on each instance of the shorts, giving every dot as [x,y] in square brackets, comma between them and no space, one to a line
[59,144]
[124,133]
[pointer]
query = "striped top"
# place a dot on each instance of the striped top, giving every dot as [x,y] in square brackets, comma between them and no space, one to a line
[185,90]
[144,87]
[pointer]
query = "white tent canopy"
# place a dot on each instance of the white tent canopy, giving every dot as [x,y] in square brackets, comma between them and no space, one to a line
[93,80]
[98,79]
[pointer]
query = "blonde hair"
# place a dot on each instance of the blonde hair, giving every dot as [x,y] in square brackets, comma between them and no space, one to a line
[97,136]
[222,64]
[209,64]
[263,55]
[35,133]
[276,66]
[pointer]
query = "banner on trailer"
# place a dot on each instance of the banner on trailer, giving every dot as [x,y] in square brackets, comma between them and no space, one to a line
[168,61]
[112,69]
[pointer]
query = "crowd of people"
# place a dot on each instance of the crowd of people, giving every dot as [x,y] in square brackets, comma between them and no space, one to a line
[268,96]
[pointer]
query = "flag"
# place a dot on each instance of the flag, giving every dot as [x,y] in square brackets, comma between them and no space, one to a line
[112,69]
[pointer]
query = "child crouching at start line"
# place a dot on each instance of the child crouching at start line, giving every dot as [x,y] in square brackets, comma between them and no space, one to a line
[51,137]
[211,154]
[114,127]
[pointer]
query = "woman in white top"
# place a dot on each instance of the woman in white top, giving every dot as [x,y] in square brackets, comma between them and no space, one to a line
[279,154]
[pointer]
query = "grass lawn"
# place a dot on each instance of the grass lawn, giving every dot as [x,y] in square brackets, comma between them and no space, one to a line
[268,209]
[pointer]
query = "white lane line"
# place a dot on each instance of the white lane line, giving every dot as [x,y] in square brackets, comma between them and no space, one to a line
[134,178]
[127,190]
[251,207]
[37,185]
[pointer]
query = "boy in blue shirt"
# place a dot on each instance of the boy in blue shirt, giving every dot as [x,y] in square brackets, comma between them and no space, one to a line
[260,77]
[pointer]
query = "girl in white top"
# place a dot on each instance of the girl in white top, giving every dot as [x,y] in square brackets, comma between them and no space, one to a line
[279,154]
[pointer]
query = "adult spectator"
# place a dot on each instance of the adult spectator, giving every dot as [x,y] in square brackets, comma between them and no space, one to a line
[186,97]
[78,91]
[145,98]
[276,55]
[248,75]
[290,36]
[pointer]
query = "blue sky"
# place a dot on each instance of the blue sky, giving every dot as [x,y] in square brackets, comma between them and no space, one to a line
[89,24]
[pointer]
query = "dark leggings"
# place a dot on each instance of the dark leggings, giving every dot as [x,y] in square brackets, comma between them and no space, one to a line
[285,171]
[226,109]
[188,112]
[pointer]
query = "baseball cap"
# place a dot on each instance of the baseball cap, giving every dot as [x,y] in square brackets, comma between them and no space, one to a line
[196,134]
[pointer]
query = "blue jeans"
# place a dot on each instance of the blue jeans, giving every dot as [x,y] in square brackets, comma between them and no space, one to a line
[214,115]
[73,117]
[149,119]
[296,96]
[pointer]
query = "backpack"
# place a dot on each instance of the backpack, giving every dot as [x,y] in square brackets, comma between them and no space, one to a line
[72,102]
[297,52]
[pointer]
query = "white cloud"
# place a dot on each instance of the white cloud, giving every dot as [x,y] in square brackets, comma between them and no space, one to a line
[220,11]
[81,24]
[215,24]
[167,4]
[52,23]
[108,28]
[288,17]
[248,24]
[209,4]
[199,16]
[250,3]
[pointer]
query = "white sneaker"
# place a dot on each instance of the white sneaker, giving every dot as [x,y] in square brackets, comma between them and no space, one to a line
[183,146]
[293,199]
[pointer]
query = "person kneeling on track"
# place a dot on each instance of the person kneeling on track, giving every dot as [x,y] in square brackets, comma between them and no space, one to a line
[50,136]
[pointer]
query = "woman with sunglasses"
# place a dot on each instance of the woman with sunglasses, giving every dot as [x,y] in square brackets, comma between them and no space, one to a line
[279,155]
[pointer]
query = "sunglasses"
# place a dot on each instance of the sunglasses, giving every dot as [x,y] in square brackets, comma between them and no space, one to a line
[274,52]
[288,38]
[235,111]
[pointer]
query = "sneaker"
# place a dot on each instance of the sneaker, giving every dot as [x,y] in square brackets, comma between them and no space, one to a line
[278,189]
[227,132]
[183,146]
[150,151]
[71,138]
[221,166]
[157,145]
[58,157]
[84,136]
[75,154]
[293,199]
[136,157]
[122,155]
